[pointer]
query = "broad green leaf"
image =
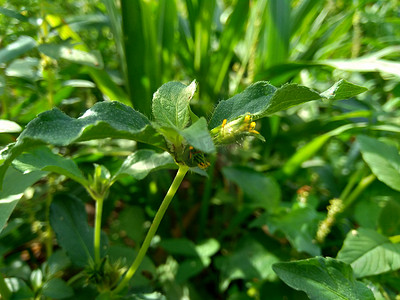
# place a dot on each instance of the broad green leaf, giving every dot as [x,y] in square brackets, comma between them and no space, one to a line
[343,90]
[383,159]
[19,47]
[261,190]
[323,279]
[262,99]
[389,221]
[7,126]
[55,51]
[43,159]
[57,288]
[103,120]
[369,253]
[198,136]
[171,104]
[142,162]
[299,226]
[249,261]
[15,183]
[69,221]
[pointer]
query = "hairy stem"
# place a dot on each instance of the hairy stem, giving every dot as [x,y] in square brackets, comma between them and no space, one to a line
[153,228]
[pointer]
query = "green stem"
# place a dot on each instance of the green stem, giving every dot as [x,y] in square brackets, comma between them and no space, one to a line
[97,229]
[153,228]
[364,183]
[4,290]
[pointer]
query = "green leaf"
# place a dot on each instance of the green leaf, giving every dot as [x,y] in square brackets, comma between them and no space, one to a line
[343,90]
[43,159]
[369,253]
[92,59]
[250,261]
[36,279]
[142,162]
[103,120]
[19,47]
[171,104]
[262,191]
[69,221]
[27,68]
[323,279]
[57,288]
[15,183]
[13,14]
[383,159]
[262,99]
[198,136]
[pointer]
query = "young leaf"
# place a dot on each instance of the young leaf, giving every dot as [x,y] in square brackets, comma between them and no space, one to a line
[142,162]
[369,253]
[43,159]
[171,104]
[383,159]
[198,136]
[262,99]
[103,120]
[323,279]
[69,221]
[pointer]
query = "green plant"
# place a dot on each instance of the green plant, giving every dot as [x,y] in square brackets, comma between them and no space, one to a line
[190,141]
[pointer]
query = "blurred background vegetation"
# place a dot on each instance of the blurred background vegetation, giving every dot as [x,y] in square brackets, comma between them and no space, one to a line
[74,53]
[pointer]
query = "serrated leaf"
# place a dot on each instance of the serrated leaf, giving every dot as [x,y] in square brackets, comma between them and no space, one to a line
[343,90]
[383,159]
[262,99]
[92,59]
[57,288]
[369,253]
[198,136]
[69,221]
[142,162]
[171,104]
[103,120]
[20,46]
[43,159]
[323,279]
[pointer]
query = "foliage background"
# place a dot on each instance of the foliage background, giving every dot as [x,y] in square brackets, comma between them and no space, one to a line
[262,202]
